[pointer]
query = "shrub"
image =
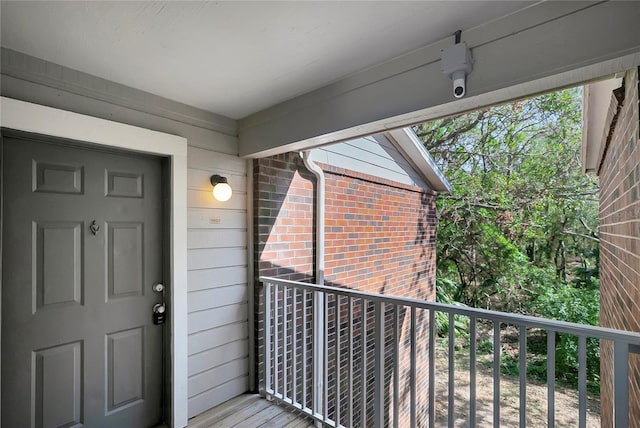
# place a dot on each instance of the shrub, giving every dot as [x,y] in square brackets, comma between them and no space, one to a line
[580,305]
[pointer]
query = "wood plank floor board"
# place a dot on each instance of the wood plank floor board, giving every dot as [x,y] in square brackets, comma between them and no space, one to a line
[242,415]
[299,423]
[281,420]
[228,408]
[261,417]
[249,411]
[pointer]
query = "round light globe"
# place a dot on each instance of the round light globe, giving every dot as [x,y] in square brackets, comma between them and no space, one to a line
[222,192]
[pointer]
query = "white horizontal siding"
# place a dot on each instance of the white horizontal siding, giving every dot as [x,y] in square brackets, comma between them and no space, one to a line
[216,238]
[217,299]
[207,258]
[368,156]
[217,375]
[205,199]
[216,277]
[216,317]
[210,339]
[215,218]
[215,162]
[217,395]
[215,357]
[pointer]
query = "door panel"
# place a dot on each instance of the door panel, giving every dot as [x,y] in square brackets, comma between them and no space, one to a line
[125,261]
[57,263]
[58,385]
[57,177]
[78,344]
[124,368]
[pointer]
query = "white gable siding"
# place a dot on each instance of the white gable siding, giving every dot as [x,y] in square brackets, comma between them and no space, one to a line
[374,155]
[218,345]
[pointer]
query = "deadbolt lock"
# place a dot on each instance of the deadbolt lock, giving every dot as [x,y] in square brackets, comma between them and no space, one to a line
[159,313]
[158,287]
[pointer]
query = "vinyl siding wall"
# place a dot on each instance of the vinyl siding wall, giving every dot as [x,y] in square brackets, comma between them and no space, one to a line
[217,232]
[374,155]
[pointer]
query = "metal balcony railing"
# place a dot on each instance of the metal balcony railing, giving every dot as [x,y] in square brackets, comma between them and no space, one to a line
[353,359]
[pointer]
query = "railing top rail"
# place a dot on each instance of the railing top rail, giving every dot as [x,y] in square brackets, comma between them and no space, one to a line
[523,320]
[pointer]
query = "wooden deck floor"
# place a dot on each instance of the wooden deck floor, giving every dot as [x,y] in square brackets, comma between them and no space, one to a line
[249,411]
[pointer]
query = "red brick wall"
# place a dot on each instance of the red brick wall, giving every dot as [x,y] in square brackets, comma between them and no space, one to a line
[283,224]
[620,245]
[379,237]
[284,218]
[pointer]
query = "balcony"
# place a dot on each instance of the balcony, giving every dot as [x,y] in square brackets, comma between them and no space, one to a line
[347,358]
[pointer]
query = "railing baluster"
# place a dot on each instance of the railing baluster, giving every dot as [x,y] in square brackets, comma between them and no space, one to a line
[412,365]
[432,367]
[294,346]
[363,366]
[350,355]
[276,328]
[325,361]
[305,363]
[284,343]
[319,352]
[523,376]
[337,363]
[620,384]
[267,338]
[497,349]
[582,381]
[551,378]
[396,365]
[379,365]
[472,372]
[452,363]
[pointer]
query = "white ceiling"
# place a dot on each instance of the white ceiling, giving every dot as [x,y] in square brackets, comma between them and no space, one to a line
[233,58]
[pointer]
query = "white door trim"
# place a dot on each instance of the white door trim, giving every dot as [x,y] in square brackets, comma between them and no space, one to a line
[39,119]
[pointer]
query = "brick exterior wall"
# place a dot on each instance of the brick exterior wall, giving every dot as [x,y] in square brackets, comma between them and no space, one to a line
[380,237]
[284,218]
[283,225]
[620,243]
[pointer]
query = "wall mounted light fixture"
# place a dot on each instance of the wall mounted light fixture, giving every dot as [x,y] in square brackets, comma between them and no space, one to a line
[221,189]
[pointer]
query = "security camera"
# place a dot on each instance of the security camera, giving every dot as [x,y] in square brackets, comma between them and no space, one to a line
[457,63]
[459,84]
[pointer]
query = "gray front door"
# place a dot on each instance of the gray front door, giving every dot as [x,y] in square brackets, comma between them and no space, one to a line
[81,250]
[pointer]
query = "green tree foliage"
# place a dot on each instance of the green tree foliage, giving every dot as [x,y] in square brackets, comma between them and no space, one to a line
[518,232]
[521,215]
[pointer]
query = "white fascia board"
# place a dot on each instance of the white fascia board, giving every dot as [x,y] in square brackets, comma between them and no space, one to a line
[415,152]
[547,46]
[596,100]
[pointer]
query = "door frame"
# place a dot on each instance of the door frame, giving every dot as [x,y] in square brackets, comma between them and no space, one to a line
[35,118]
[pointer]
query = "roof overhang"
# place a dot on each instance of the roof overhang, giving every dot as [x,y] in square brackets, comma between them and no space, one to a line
[596,104]
[415,152]
[542,48]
